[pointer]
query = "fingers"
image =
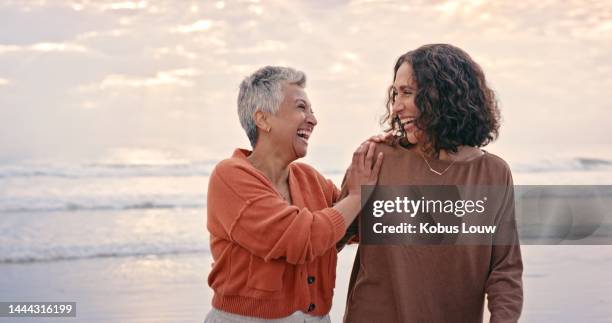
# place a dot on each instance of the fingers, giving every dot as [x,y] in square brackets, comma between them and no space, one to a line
[384,137]
[363,158]
[358,156]
[377,138]
[369,155]
[363,150]
[377,167]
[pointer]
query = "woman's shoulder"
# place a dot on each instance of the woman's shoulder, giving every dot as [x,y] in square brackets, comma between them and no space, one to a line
[389,148]
[497,168]
[393,154]
[237,164]
[496,161]
[394,148]
[228,165]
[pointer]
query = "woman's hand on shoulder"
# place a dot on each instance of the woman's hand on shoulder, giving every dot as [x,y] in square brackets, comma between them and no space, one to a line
[364,169]
[386,138]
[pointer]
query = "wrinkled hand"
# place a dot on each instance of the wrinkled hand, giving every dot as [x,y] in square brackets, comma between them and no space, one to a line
[386,137]
[363,169]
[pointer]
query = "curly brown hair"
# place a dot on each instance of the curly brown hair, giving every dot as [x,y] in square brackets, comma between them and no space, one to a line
[456,105]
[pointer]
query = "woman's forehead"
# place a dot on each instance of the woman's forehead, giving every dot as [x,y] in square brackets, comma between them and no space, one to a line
[404,77]
[294,92]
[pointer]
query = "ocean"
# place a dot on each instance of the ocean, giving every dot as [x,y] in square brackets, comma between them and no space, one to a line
[54,212]
[128,242]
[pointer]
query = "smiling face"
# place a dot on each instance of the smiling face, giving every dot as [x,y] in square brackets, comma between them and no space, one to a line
[404,92]
[294,122]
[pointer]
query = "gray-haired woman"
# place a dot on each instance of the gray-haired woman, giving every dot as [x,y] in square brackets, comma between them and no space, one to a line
[273,222]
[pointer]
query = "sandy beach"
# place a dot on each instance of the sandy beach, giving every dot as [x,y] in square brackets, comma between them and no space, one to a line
[562,284]
[134,250]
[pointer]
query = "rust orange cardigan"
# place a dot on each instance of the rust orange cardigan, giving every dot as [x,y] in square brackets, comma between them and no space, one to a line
[271,258]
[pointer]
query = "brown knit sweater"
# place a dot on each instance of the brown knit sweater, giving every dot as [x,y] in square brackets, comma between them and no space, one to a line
[444,283]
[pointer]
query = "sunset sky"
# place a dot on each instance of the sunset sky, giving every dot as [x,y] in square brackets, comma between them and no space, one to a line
[147,79]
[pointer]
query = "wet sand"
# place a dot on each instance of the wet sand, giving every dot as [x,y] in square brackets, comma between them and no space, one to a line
[562,284]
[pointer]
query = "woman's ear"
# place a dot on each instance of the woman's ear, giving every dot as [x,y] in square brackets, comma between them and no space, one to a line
[261,120]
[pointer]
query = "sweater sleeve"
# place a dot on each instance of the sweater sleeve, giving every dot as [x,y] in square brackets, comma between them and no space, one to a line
[504,286]
[255,217]
[351,235]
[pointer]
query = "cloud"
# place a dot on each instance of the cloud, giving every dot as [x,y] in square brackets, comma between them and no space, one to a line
[125,5]
[99,34]
[198,26]
[337,68]
[178,50]
[9,48]
[112,56]
[258,10]
[351,56]
[30,5]
[57,47]
[44,47]
[176,77]
[266,46]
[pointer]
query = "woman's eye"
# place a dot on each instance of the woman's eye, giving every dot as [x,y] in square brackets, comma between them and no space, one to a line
[301,107]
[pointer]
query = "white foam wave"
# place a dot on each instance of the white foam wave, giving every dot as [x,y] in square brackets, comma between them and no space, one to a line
[100,203]
[562,165]
[59,254]
[96,170]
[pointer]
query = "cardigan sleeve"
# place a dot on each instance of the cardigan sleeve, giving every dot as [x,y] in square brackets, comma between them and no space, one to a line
[351,234]
[255,217]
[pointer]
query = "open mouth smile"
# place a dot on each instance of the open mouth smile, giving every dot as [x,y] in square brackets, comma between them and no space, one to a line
[304,134]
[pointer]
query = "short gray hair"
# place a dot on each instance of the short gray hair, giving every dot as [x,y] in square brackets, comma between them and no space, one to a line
[262,91]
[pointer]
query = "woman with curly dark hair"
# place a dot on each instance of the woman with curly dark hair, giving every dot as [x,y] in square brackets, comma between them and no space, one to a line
[442,111]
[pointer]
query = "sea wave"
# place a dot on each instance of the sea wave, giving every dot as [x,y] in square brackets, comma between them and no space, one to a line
[60,204]
[205,167]
[75,254]
[96,170]
[562,165]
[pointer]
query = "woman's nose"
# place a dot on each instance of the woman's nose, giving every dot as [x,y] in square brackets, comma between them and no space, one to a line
[396,107]
[311,119]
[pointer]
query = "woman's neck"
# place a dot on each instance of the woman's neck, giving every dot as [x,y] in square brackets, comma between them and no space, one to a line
[464,153]
[271,163]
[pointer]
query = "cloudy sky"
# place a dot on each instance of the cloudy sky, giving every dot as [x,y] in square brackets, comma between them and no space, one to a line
[89,79]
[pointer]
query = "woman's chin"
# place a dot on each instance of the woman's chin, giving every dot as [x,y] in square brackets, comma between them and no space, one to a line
[300,153]
[300,150]
[412,139]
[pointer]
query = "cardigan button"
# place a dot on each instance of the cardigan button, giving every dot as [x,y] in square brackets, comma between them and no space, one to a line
[311,307]
[311,280]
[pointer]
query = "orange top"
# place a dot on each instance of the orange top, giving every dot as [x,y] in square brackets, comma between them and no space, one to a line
[271,258]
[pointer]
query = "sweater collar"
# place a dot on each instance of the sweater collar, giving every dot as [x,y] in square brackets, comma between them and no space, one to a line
[241,153]
[294,185]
